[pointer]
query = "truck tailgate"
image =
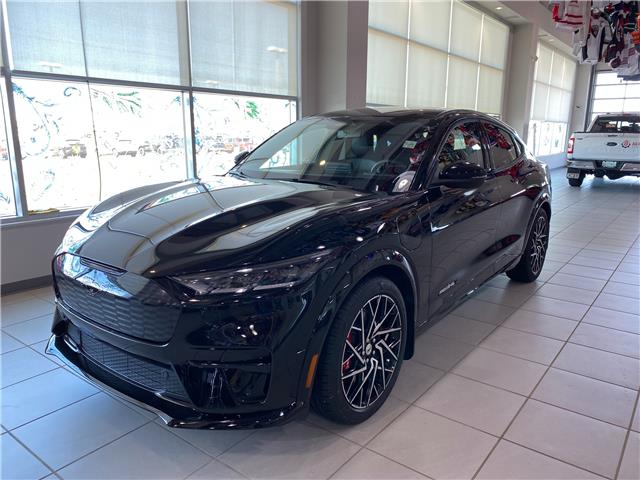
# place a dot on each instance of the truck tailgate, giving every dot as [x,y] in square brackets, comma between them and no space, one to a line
[607,146]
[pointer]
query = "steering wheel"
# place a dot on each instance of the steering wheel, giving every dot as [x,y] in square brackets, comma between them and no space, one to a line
[378,167]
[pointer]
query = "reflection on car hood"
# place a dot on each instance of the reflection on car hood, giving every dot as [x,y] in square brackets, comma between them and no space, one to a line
[222,218]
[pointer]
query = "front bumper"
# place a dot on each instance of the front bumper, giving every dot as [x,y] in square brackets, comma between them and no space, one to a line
[172,413]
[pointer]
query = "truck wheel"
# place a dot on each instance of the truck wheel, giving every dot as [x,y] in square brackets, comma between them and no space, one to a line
[576,182]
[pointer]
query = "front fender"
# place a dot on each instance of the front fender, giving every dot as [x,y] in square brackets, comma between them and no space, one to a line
[360,265]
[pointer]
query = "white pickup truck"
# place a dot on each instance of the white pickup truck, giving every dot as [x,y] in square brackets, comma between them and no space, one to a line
[611,147]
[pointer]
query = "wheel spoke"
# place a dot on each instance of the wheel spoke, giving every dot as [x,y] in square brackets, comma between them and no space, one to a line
[354,373]
[355,352]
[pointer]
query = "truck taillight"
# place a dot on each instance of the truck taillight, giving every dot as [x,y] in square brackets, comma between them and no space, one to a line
[572,140]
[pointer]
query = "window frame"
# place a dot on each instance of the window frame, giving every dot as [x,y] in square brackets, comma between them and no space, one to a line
[22,215]
[432,168]
[516,145]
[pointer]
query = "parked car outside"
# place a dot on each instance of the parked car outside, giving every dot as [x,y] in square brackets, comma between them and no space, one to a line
[74,148]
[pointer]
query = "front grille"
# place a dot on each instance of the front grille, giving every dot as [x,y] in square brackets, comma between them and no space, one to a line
[149,375]
[121,301]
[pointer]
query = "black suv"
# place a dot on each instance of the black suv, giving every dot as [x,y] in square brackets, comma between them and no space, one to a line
[302,275]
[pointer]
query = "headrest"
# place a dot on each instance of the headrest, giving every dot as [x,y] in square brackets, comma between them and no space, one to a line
[359,146]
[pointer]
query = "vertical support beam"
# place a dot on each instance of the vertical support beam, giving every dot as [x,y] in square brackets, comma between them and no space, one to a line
[333,55]
[581,115]
[357,42]
[521,73]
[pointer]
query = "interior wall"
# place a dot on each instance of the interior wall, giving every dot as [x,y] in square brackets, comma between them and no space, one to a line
[26,248]
[581,91]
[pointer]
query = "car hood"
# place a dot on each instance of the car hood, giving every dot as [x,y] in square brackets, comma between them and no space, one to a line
[215,223]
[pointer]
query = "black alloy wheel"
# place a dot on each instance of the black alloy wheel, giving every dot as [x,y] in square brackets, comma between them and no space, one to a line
[532,260]
[363,353]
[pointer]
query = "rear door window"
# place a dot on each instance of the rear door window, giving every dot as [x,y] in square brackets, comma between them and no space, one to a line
[502,147]
[462,144]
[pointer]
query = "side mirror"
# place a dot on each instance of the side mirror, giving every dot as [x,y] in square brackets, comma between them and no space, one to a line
[462,175]
[241,156]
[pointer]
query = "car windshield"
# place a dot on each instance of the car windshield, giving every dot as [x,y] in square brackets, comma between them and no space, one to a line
[367,153]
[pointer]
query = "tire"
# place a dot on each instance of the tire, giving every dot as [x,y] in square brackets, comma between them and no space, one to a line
[340,393]
[530,265]
[576,182]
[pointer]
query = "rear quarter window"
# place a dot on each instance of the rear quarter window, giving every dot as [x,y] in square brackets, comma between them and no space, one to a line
[616,125]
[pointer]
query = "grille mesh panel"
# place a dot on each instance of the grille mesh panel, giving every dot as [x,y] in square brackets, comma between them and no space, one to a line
[126,303]
[147,374]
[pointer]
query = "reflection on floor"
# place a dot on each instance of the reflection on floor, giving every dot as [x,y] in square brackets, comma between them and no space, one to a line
[521,381]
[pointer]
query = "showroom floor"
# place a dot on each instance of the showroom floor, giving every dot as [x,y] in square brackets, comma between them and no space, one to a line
[522,381]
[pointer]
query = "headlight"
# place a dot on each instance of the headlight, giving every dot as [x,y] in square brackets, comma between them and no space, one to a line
[284,274]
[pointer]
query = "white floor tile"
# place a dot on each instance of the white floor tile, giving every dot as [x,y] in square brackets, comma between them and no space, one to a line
[624,277]
[8,343]
[594,262]
[148,452]
[541,324]
[513,462]
[629,267]
[18,365]
[439,352]
[296,450]
[571,294]
[624,289]
[25,310]
[618,302]
[79,429]
[462,329]
[576,281]
[38,396]
[433,445]
[601,400]
[556,308]
[475,404]
[608,339]
[484,311]
[17,463]
[370,465]
[589,272]
[523,345]
[44,293]
[212,442]
[414,379]
[31,331]
[503,296]
[605,366]
[613,319]
[215,469]
[568,436]
[364,432]
[630,466]
[502,371]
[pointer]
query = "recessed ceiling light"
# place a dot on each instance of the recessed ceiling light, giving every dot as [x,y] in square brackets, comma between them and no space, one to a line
[498,8]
